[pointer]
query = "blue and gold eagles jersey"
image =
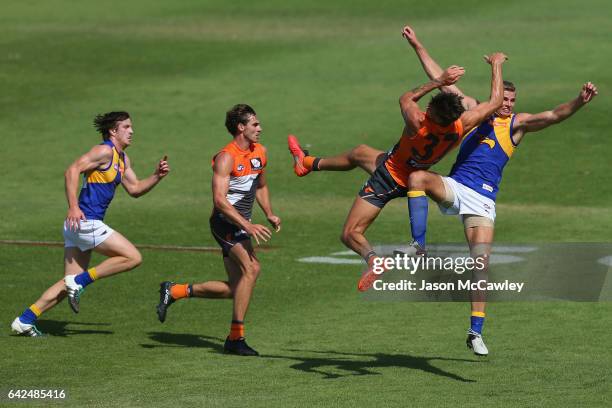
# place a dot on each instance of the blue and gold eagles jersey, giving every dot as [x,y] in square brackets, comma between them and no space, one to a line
[99,186]
[483,154]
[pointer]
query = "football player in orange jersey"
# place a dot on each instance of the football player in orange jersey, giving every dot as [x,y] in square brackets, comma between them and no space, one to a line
[473,183]
[426,138]
[238,180]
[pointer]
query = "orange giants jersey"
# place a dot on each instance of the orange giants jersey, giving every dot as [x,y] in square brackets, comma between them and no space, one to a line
[244,178]
[423,149]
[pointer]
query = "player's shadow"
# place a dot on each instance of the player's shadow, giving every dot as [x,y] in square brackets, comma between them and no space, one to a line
[64,328]
[348,365]
[165,339]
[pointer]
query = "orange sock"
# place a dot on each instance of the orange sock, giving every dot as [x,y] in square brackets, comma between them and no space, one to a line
[236,330]
[307,162]
[179,291]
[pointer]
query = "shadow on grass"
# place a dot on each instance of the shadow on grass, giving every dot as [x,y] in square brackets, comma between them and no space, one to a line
[60,328]
[348,363]
[354,363]
[184,340]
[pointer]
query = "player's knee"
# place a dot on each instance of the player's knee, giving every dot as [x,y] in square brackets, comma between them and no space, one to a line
[417,180]
[347,235]
[252,270]
[344,237]
[134,259]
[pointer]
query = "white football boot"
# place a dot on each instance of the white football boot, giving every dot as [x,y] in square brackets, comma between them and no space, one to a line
[74,292]
[24,329]
[474,341]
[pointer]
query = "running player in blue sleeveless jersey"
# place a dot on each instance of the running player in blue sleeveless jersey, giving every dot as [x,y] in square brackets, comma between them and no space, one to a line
[104,167]
[471,188]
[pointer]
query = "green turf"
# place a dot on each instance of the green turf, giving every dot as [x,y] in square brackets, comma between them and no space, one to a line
[331,72]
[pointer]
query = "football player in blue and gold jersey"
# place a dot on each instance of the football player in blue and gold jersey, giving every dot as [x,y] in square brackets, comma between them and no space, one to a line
[103,168]
[471,188]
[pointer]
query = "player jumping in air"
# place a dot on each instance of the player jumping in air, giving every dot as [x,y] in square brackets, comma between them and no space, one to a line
[104,167]
[472,185]
[427,137]
[238,180]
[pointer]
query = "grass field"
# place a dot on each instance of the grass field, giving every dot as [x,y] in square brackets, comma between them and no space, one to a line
[330,72]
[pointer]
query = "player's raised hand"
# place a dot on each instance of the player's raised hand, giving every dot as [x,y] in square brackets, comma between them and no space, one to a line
[163,168]
[259,232]
[451,75]
[409,34]
[275,222]
[74,217]
[588,92]
[496,58]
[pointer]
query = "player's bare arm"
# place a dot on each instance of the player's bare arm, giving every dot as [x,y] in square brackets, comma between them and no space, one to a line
[408,101]
[136,187]
[262,195]
[431,67]
[100,155]
[220,186]
[526,122]
[479,113]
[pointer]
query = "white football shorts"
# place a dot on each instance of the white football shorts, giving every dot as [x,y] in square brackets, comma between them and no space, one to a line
[91,234]
[467,201]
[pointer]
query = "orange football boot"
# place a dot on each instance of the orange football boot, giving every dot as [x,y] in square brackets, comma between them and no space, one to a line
[298,156]
[368,278]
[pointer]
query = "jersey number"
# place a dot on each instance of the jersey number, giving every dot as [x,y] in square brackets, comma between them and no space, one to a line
[449,138]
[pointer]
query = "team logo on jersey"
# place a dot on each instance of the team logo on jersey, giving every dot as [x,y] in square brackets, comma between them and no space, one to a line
[240,167]
[488,142]
[256,163]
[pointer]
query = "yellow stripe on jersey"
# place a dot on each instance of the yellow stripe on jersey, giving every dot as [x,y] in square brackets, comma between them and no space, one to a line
[501,126]
[106,176]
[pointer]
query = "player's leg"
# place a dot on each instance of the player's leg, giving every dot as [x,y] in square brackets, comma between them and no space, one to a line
[122,256]
[479,232]
[380,188]
[361,216]
[213,289]
[75,261]
[243,270]
[170,292]
[362,156]
[422,184]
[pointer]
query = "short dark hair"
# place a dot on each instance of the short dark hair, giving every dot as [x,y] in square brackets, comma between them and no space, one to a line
[509,86]
[104,123]
[240,113]
[447,107]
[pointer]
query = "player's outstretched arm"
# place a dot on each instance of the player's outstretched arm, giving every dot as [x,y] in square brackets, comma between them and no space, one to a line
[526,122]
[96,157]
[478,114]
[137,188]
[263,199]
[431,67]
[222,169]
[408,101]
